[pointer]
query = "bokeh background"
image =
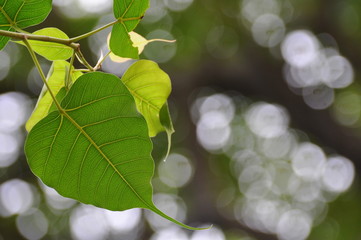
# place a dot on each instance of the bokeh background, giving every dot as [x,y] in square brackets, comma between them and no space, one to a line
[266,104]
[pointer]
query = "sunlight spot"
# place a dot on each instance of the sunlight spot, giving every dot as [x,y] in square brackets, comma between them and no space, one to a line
[213,130]
[259,189]
[300,48]
[294,225]
[9,149]
[156,12]
[268,30]
[277,147]
[14,111]
[338,72]
[309,75]
[95,6]
[251,173]
[123,221]
[267,120]
[338,174]
[318,97]
[16,197]
[307,192]
[32,225]
[218,102]
[176,171]
[88,223]
[171,233]
[252,9]
[178,5]
[214,233]
[308,161]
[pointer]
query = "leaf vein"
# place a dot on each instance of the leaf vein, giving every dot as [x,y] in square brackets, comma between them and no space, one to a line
[121,140]
[94,101]
[107,120]
[81,168]
[68,158]
[51,146]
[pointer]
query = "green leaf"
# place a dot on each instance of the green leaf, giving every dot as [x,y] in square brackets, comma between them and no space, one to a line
[150,87]
[96,148]
[50,50]
[128,13]
[19,14]
[167,123]
[56,79]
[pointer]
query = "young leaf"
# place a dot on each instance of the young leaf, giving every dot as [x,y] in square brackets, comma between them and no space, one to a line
[128,13]
[96,148]
[139,42]
[150,87]
[19,14]
[166,121]
[50,50]
[56,79]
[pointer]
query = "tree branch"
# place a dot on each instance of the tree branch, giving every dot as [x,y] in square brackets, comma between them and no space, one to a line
[23,36]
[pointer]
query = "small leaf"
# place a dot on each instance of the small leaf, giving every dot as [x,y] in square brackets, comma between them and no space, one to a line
[139,42]
[150,87]
[96,148]
[50,50]
[21,14]
[56,78]
[128,13]
[167,123]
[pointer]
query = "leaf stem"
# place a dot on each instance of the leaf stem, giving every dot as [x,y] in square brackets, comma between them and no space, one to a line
[100,62]
[68,80]
[37,64]
[83,61]
[76,39]
[85,35]
[82,70]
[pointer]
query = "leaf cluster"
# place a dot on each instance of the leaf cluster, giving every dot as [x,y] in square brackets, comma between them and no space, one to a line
[90,132]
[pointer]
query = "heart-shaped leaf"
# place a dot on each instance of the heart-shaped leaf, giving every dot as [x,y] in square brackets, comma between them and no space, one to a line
[56,79]
[19,14]
[96,148]
[50,50]
[150,87]
[128,13]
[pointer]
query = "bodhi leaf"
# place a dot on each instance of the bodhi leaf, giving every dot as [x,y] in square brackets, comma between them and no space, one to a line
[96,148]
[50,50]
[139,42]
[150,87]
[128,13]
[56,79]
[19,14]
